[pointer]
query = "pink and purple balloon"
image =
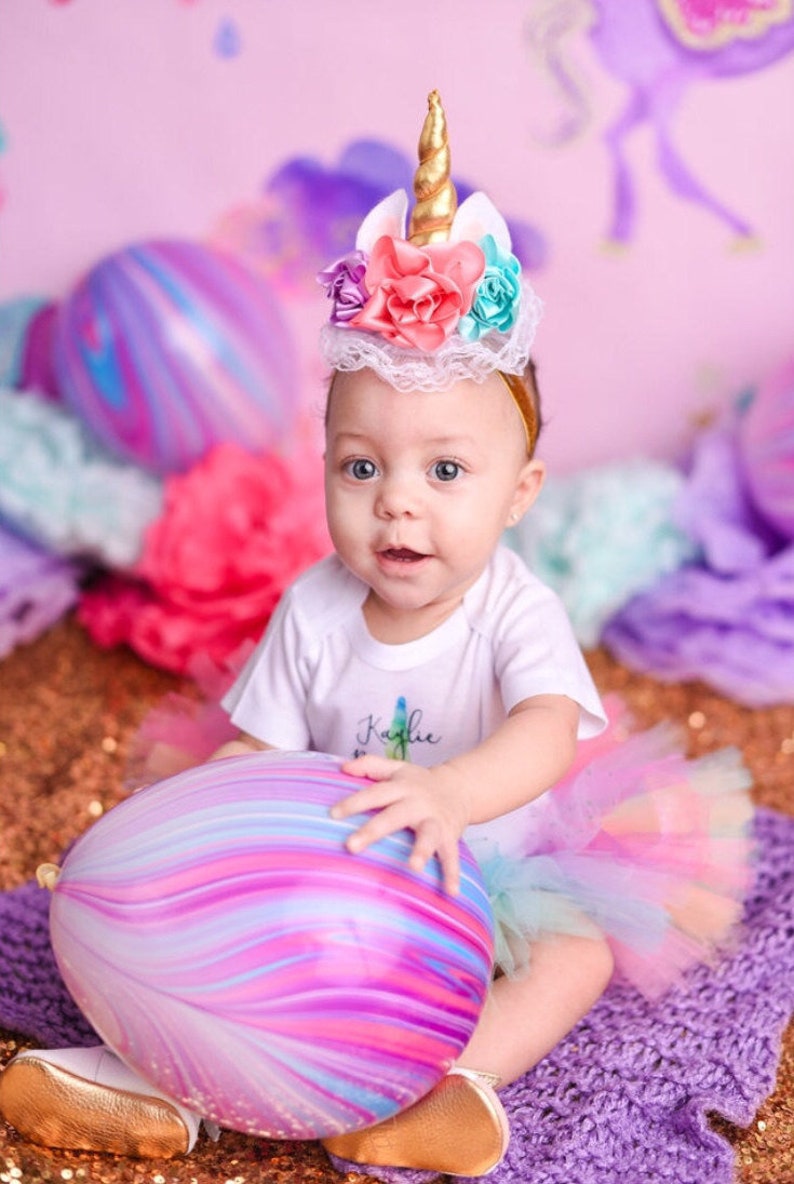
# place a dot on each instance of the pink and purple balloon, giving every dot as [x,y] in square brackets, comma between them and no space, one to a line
[37,372]
[766,442]
[166,348]
[25,344]
[219,936]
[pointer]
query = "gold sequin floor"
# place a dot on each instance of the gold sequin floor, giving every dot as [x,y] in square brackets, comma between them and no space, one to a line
[67,712]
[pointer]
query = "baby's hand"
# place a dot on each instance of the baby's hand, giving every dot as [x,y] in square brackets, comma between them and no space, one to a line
[430,802]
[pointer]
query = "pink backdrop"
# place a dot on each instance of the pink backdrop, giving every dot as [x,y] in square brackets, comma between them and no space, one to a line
[127,119]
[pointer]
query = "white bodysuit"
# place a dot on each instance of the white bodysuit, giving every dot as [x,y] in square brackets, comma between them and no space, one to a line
[319,681]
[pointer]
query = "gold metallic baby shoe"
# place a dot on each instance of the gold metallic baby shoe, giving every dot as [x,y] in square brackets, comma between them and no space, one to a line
[459,1127]
[85,1099]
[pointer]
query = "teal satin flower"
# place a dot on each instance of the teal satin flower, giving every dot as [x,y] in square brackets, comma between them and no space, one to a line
[497,296]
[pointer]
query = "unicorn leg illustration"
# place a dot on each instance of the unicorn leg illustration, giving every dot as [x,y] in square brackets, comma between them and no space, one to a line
[624,205]
[678,175]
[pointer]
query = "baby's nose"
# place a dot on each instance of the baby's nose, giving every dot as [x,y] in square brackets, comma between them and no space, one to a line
[398,496]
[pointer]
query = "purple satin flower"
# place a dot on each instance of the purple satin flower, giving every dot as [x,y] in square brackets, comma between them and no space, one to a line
[344,284]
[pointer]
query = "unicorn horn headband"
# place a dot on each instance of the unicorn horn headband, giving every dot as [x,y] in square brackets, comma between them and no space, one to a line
[436,199]
[444,303]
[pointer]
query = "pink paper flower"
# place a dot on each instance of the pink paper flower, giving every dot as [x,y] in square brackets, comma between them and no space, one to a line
[419,294]
[234,532]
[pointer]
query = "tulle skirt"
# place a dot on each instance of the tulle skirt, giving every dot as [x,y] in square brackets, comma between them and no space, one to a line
[637,843]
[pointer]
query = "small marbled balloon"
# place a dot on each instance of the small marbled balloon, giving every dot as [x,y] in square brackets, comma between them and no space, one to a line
[220,937]
[766,442]
[168,347]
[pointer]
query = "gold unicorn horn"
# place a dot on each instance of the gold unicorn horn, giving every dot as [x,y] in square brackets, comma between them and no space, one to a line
[436,199]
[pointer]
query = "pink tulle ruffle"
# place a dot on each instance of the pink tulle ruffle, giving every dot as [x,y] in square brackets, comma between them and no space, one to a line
[638,843]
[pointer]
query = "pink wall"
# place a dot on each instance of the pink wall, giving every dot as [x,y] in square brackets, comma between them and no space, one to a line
[123,120]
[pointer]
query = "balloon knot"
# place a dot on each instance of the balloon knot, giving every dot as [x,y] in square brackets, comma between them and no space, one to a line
[47,875]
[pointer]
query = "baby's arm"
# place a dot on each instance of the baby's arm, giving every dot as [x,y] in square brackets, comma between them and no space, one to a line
[518,762]
[242,743]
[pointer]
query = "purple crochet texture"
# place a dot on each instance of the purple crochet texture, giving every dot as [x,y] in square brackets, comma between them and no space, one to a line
[624,1098]
[33,998]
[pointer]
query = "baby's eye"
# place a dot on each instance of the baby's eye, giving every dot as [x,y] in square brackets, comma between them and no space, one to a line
[361,468]
[446,470]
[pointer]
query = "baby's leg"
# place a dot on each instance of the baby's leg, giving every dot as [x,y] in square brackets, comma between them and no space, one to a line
[525,1017]
[460,1126]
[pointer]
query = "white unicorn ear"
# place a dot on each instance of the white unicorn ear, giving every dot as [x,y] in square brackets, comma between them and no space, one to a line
[387,217]
[476,217]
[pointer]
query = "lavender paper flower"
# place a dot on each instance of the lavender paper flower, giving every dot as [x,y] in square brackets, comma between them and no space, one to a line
[344,285]
[714,506]
[728,619]
[36,589]
[734,632]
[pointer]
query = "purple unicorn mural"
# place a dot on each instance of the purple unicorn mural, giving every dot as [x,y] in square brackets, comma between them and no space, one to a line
[660,48]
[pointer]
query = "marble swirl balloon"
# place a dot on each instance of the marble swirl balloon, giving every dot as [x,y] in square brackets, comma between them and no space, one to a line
[168,347]
[766,444]
[221,939]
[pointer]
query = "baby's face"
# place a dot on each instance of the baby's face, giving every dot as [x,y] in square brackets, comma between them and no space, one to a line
[419,488]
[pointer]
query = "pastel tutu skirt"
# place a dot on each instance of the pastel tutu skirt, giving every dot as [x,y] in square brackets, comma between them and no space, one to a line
[637,844]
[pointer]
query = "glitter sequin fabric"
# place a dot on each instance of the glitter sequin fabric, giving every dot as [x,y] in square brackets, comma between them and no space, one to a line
[647,1080]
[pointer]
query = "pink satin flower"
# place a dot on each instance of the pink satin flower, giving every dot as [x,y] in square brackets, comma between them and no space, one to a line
[419,294]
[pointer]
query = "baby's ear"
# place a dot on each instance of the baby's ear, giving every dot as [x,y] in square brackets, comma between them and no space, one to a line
[529,484]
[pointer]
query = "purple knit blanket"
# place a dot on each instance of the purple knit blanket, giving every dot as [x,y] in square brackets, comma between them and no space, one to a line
[624,1098]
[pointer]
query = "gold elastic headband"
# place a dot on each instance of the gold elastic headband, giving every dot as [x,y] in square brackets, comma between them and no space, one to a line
[517,387]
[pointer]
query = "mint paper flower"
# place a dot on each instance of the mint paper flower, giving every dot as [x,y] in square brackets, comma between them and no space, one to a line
[497,296]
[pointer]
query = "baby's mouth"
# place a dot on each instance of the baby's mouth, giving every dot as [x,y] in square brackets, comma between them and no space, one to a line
[402,555]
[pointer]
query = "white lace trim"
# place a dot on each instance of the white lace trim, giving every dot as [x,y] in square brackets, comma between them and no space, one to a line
[411,370]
